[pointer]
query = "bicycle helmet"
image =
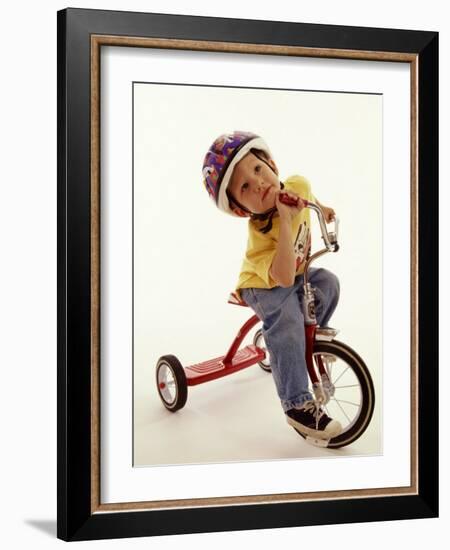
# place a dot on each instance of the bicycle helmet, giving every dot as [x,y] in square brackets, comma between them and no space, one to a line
[220,160]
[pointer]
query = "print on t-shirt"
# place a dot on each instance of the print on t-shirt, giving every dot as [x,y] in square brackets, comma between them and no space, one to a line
[302,244]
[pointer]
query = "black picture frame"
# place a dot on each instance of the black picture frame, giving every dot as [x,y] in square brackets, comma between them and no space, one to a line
[79,517]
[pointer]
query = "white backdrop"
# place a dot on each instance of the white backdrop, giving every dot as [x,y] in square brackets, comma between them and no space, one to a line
[188,255]
[28,214]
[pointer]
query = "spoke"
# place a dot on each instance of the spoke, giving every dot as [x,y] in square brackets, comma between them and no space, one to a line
[339,405]
[348,402]
[340,376]
[351,386]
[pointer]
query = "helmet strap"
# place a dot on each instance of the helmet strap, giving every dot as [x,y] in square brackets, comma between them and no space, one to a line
[268,215]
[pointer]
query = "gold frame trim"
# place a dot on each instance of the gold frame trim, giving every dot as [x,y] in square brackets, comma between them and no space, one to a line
[97,41]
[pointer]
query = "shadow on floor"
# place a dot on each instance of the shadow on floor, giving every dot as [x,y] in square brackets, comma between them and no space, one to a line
[47,526]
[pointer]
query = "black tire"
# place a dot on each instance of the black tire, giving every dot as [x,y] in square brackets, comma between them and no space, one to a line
[171,382]
[258,341]
[355,426]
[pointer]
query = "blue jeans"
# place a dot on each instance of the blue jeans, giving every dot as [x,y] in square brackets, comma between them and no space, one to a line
[283,329]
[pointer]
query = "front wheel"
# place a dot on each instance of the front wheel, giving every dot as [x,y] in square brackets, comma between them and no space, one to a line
[351,391]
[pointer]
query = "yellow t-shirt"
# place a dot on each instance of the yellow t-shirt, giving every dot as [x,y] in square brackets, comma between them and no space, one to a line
[261,247]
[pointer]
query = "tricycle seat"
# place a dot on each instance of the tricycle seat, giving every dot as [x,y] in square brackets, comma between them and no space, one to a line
[235,299]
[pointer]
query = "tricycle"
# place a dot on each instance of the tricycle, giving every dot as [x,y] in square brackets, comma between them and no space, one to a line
[340,380]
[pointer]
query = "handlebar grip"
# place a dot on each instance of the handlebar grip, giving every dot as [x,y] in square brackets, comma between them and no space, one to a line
[291,201]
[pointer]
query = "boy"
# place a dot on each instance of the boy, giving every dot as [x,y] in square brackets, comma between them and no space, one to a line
[242,178]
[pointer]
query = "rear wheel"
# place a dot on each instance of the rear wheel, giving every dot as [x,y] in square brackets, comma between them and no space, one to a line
[171,382]
[351,393]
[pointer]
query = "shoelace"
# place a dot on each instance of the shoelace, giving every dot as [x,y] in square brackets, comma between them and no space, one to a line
[317,411]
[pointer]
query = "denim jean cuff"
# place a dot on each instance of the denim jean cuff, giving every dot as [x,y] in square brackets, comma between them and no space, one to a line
[296,403]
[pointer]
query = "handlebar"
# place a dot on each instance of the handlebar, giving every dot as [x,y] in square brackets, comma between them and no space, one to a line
[329,238]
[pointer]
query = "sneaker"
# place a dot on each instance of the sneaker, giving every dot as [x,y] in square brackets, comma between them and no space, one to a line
[311,420]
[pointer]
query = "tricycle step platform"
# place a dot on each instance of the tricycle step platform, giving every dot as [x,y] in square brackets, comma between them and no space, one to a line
[216,368]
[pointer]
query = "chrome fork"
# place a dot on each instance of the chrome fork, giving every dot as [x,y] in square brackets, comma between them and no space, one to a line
[324,389]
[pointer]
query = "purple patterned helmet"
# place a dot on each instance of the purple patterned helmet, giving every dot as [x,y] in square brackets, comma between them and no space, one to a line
[220,160]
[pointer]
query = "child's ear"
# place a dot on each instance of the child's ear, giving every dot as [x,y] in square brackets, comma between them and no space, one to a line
[241,213]
[235,208]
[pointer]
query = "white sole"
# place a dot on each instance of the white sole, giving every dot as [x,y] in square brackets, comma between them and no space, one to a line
[333,429]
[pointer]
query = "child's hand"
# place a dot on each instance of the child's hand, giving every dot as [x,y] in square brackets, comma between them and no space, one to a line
[288,211]
[328,213]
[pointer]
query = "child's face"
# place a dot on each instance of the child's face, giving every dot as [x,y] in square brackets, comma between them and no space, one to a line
[254,183]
